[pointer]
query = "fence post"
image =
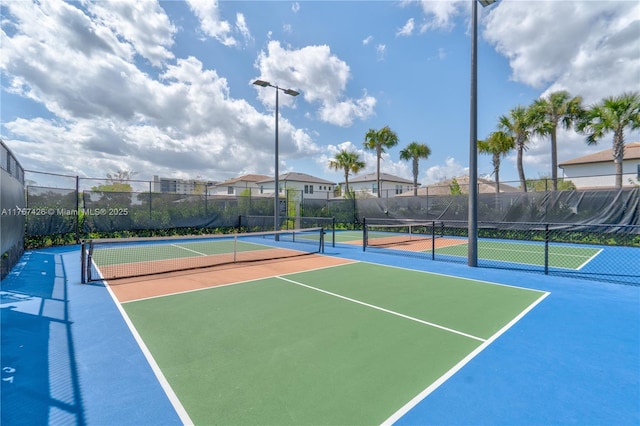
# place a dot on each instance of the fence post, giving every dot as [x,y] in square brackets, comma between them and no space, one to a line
[78,209]
[150,209]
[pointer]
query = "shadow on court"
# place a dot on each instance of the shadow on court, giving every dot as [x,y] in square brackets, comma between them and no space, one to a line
[39,372]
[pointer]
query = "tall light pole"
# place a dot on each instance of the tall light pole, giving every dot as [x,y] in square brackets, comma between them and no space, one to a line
[276,208]
[472,255]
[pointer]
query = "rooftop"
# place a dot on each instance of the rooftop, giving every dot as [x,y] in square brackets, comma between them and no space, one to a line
[631,151]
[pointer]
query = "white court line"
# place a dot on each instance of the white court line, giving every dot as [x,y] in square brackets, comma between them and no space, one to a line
[450,330]
[422,395]
[164,383]
[589,260]
[188,249]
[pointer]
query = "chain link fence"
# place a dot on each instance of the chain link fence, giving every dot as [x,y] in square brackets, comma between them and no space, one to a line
[74,208]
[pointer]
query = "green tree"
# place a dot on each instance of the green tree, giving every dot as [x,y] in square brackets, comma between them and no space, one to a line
[378,141]
[558,109]
[612,114]
[454,187]
[117,182]
[349,162]
[498,144]
[518,124]
[414,152]
[543,183]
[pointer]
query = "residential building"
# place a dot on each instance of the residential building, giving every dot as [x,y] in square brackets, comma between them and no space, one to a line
[445,187]
[598,171]
[242,185]
[367,185]
[180,186]
[306,185]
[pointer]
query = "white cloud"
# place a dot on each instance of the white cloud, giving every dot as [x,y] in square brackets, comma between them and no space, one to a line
[367,40]
[381,50]
[438,14]
[210,21]
[295,7]
[407,29]
[320,76]
[243,29]
[594,54]
[144,24]
[117,116]
[440,172]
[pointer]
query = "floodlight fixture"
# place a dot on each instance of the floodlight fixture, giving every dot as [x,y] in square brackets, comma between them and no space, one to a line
[262,83]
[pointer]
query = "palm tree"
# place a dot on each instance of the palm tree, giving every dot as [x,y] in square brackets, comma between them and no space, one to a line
[498,144]
[612,114]
[349,162]
[518,124]
[378,140]
[559,108]
[415,151]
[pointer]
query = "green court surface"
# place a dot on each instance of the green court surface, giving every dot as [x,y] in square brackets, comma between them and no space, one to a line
[348,236]
[560,256]
[343,345]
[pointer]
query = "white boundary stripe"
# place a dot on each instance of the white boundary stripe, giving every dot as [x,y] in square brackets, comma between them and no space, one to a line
[171,395]
[422,395]
[188,249]
[450,330]
[589,260]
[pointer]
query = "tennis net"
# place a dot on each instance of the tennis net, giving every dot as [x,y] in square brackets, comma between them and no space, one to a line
[133,257]
[254,223]
[392,234]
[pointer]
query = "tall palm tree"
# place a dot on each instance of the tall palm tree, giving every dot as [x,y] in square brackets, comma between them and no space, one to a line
[559,108]
[498,144]
[612,114]
[378,140]
[518,124]
[415,151]
[349,162]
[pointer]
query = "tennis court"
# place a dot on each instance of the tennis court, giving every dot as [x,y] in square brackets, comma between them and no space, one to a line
[301,336]
[559,256]
[306,339]
[346,344]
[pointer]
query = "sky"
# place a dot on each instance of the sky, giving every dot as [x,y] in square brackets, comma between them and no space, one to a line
[165,87]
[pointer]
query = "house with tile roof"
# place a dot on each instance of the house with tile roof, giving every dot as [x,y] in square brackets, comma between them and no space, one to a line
[305,185]
[390,185]
[239,185]
[444,187]
[598,171]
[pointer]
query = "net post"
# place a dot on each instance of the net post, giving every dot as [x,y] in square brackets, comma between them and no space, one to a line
[333,231]
[364,234]
[89,255]
[321,240]
[546,249]
[83,266]
[235,248]
[433,240]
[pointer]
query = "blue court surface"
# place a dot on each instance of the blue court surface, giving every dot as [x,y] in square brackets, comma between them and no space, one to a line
[69,355]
